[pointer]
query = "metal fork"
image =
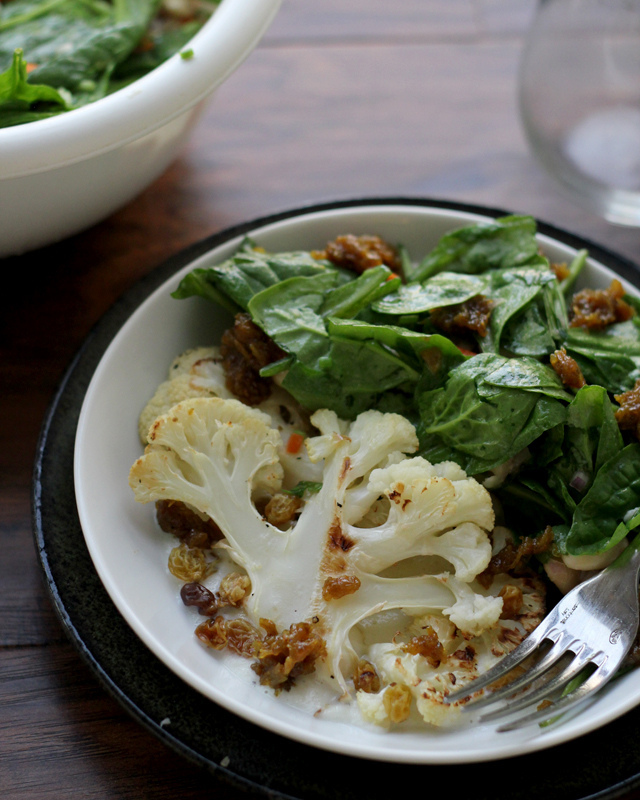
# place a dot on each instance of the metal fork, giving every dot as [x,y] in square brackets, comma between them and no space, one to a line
[592,628]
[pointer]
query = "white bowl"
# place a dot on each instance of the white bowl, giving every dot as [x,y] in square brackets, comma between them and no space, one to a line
[60,175]
[130,552]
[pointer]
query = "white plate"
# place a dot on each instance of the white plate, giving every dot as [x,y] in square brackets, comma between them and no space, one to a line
[130,553]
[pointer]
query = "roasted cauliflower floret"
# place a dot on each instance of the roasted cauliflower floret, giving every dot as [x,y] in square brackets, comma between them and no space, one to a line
[331,568]
[199,373]
[195,373]
[463,658]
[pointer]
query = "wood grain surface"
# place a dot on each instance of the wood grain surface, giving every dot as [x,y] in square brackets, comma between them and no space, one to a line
[341,100]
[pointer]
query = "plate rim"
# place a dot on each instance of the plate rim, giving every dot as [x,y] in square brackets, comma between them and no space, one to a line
[101,335]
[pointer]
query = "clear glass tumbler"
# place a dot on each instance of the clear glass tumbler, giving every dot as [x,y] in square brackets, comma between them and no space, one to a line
[579,95]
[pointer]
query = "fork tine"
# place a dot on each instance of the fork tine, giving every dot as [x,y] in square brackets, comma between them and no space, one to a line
[557,651]
[538,694]
[592,685]
[505,665]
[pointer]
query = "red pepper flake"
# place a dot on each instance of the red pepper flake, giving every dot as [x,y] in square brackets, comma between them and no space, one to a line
[295,442]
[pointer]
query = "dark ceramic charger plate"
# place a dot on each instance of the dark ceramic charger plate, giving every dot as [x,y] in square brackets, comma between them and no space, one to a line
[603,764]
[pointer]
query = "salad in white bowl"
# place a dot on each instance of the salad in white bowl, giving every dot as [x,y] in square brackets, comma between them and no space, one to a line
[383,465]
[98,97]
[343,501]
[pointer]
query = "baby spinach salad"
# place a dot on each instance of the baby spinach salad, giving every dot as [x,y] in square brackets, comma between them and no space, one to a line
[58,55]
[485,346]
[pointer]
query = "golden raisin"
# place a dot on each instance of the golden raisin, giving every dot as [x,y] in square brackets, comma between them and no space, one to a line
[628,415]
[268,626]
[426,645]
[236,634]
[513,559]
[567,369]
[177,518]
[244,350]
[511,601]
[343,585]
[472,315]
[286,656]
[242,637]
[282,509]
[213,633]
[365,677]
[597,308]
[561,271]
[397,702]
[234,588]
[189,564]
[359,253]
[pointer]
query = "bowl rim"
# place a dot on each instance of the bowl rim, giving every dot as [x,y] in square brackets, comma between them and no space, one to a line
[148,103]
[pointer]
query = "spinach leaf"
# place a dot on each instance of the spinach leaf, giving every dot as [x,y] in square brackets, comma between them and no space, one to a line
[20,13]
[599,519]
[506,242]
[163,44]
[528,335]
[510,299]
[443,289]
[610,358]
[622,337]
[354,376]
[290,313]
[525,374]
[293,310]
[349,299]
[74,43]
[591,438]
[483,416]
[234,282]
[334,367]
[431,355]
[592,415]
[17,96]
[529,316]
[564,461]
[530,502]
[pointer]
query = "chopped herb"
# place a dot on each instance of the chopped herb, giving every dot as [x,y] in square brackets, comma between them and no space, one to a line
[301,488]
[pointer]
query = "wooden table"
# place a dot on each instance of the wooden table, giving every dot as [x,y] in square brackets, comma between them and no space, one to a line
[341,100]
